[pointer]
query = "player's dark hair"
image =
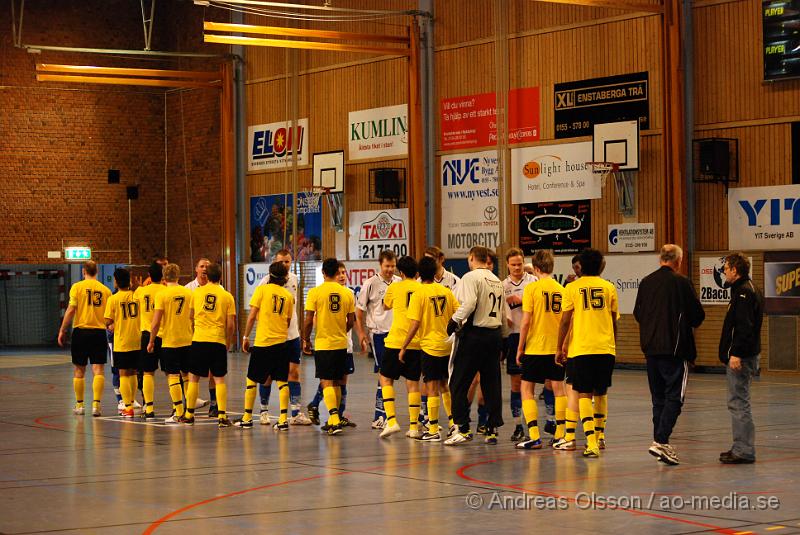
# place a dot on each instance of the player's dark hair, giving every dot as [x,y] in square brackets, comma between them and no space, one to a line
[427,269]
[214,272]
[740,263]
[277,273]
[156,272]
[515,251]
[542,260]
[123,278]
[434,252]
[91,267]
[330,267]
[407,266]
[386,254]
[591,261]
[284,252]
[480,253]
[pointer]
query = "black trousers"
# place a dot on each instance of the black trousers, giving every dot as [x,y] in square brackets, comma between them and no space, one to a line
[667,376]
[477,350]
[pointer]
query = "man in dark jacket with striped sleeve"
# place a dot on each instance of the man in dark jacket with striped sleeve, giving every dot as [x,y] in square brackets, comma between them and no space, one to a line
[667,310]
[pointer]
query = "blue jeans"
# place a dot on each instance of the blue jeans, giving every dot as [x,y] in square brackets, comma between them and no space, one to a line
[744,431]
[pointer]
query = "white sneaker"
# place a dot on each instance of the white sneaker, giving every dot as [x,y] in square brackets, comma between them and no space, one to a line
[200,403]
[96,411]
[456,439]
[431,437]
[120,406]
[136,405]
[453,429]
[665,453]
[78,409]
[390,430]
[300,419]
[172,420]
[414,433]
[264,418]
[379,423]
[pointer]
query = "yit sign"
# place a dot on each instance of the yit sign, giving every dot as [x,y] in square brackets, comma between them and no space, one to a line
[764,218]
[78,253]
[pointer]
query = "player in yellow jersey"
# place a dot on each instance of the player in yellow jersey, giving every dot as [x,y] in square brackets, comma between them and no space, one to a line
[122,311]
[538,342]
[172,321]
[397,297]
[273,306]
[334,309]
[87,303]
[213,311]
[590,309]
[148,360]
[429,311]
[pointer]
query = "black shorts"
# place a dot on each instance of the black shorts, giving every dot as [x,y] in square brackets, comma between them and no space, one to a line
[174,359]
[209,357]
[294,349]
[148,362]
[331,364]
[510,350]
[539,368]
[590,373]
[392,368]
[89,345]
[435,368]
[126,360]
[269,361]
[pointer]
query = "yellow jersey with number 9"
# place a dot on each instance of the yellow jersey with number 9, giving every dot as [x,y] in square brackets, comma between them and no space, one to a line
[123,310]
[212,304]
[176,325]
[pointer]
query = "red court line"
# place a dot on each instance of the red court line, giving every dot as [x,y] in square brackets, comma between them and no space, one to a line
[12,379]
[40,421]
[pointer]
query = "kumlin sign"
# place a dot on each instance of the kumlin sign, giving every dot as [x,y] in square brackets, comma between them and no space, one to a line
[378,133]
[372,232]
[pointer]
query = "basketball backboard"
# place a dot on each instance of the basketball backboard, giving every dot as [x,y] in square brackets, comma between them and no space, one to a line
[617,143]
[329,171]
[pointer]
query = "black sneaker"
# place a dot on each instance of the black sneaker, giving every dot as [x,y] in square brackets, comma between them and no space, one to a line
[149,416]
[491,438]
[213,411]
[518,435]
[313,414]
[335,429]
[345,422]
[550,427]
[189,421]
[244,425]
[326,427]
[224,422]
[481,430]
[281,427]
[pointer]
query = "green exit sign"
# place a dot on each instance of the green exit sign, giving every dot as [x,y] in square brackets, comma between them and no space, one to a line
[78,253]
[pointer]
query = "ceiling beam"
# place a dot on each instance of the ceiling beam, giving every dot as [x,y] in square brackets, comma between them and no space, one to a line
[153,82]
[300,32]
[157,73]
[307,45]
[624,5]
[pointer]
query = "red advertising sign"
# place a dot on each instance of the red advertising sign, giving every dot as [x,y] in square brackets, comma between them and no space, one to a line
[471,121]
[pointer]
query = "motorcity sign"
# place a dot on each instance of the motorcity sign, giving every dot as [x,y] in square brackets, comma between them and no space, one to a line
[764,218]
[271,146]
[378,132]
[373,231]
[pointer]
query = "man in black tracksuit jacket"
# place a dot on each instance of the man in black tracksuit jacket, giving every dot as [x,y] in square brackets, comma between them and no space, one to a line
[739,348]
[667,310]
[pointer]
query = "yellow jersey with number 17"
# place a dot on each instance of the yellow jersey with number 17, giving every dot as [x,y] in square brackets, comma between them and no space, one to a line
[594,301]
[146,295]
[275,306]
[89,297]
[432,306]
[543,299]
[212,304]
[176,325]
[123,310]
[331,303]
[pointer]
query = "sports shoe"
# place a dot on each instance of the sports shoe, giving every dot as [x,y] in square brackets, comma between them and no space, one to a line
[127,413]
[213,411]
[729,457]
[529,444]
[136,405]
[335,430]
[281,427]
[189,420]
[664,453]
[518,434]
[149,415]
[264,418]
[96,412]
[379,423]
[481,430]
[78,409]
[491,438]
[313,414]
[430,437]
[591,453]
[564,445]
[120,407]
[414,433]
[224,422]
[346,422]
[601,443]
[458,438]
[244,425]
[390,430]
[453,429]
[172,420]
[300,419]
[550,427]
[200,403]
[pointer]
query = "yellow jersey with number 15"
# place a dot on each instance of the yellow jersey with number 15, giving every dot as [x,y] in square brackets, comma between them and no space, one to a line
[176,325]
[212,304]
[594,301]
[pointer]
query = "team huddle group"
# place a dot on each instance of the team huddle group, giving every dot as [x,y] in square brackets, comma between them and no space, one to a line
[444,335]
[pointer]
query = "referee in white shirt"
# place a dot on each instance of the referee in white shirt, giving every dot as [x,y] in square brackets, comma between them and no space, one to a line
[478,345]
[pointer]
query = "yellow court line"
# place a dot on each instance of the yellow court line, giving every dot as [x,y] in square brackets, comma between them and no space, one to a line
[775,528]
[743,533]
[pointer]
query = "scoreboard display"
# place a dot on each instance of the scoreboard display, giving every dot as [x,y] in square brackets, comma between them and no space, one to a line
[781,21]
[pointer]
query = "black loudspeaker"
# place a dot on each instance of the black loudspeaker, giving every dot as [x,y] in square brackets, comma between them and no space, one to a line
[715,157]
[133,192]
[113,176]
[387,183]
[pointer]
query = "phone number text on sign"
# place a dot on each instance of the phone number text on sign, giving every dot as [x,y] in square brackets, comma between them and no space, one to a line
[373,250]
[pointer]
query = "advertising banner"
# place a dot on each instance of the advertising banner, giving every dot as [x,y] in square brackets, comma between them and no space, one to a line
[378,132]
[551,173]
[270,146]
[764,218]
[271,227]
[631,237]
[563,227]
[376,230]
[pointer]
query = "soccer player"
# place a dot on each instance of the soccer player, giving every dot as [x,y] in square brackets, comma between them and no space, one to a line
[214,314]
[273,305]
[513,288]
[172,320]
[537,345]
[397,298]
[350,366]
[297,417]
[429,312]
[201,279]
[334,309]
[148,361]
[122,311]
[590,309]
[373,321]
[481,318]
[87,302]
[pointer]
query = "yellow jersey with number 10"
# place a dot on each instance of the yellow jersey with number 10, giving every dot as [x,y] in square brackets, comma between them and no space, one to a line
[123,310]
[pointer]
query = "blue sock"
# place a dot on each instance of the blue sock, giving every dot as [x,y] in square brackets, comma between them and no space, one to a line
[379,411]
[212,395]
[516,404]
[294,397]
[549,403]
[115,382]
[423,410]
[317,398]
[263,393]
[483,414]
[343,403]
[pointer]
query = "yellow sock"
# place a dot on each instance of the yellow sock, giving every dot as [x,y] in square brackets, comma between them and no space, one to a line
[149,392]
[570,424]
[561,416]
[388,405]
[587,418]
[222,400]
[600,415]
[338,390]
[414,406]
[250,392]
[531,412]
[176,394]
[98,382]
[78,385]
[433,414]
[448,408]
[329,394]
[191,397]
[283,398]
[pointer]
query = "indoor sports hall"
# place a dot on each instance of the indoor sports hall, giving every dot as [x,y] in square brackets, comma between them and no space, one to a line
[190,167]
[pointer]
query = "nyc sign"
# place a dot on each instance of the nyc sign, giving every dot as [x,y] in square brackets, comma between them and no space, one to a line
[764,218]
[271,146]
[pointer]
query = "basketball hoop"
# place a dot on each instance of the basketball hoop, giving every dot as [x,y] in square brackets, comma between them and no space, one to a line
[604,170]
[314,195]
